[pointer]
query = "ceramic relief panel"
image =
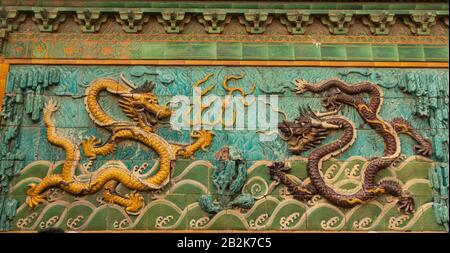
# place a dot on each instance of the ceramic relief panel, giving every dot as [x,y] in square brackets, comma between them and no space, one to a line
[92,148]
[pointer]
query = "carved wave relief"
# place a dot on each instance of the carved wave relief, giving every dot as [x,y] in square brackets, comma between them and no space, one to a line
[176,207]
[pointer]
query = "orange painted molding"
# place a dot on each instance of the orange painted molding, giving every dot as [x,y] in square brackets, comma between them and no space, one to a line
[230,63]
[4,68]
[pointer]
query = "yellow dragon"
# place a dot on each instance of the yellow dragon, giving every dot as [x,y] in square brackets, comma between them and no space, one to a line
[141,105]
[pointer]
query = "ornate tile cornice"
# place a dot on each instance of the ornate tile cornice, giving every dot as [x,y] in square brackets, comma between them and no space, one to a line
[48,18]
[296,17]
[203,3]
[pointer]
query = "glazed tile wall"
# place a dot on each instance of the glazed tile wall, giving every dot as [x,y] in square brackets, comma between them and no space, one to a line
[418,95]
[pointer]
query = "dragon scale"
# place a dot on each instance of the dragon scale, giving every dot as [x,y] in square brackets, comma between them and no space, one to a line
[108,177]
[309,129]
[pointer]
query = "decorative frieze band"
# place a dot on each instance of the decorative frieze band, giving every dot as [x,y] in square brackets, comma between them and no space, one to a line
[255,21]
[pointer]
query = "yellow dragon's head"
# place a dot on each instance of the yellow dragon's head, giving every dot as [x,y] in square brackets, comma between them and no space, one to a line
[142,105]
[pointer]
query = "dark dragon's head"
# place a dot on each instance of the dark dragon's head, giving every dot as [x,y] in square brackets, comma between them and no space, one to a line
[306,131]
[142,105]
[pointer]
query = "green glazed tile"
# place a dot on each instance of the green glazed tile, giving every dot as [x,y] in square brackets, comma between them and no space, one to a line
[152,50]
[137,5]
[369,212]
[402,6]
[196,218]
[333,52]
[436,53]
[271,6]
[281,51]
[327,6]
[217,5]
[100,219]
[298,6]
[231,51]
[256,51]
[204,51]
[107,4]
[177,50]
[290,216]
[307,52]
[245,6]
[425,7]
[385,52]
[411,53]
[325,218]
[190,5]
[359,52]
[165,5]
[376,6]
[350,6]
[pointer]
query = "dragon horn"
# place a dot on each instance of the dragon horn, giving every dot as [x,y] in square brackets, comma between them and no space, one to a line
[324,114]
[322,124]
[312,113]
[300,110]
[125,81]
[145,88]
[307,111]
[130,95]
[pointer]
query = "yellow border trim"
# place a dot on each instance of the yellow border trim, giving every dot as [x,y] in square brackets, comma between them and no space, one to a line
[231,63]
[4,68]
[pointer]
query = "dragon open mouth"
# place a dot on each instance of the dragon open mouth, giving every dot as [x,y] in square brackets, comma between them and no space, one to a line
[150,117]
[285,131]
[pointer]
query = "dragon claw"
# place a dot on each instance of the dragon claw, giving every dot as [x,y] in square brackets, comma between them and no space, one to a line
[33,199]
[185,153]
[136,202]
[204,141]
[204,146]
[195,134]
[330,102]
[300,86]
[406,203]
[51,105]
[205,137]
[423,150]
[88,146]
